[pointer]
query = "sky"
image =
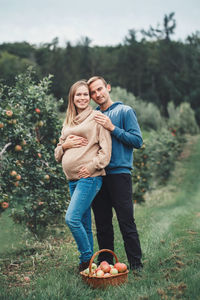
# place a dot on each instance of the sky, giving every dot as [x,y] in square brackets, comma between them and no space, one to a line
[105,23]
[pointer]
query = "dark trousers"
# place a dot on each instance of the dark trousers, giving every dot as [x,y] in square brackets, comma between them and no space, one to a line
[116,192]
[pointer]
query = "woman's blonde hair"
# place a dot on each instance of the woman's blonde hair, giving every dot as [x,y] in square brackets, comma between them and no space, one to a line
[71,112]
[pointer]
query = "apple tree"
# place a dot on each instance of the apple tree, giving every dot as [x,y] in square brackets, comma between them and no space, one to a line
[32,183]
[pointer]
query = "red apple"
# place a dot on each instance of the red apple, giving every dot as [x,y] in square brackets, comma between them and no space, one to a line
[123,267]
[13,173]
[18,148]
[105,267]
[18,177]
[4,205]
[9,113]
[27,279]
[117,265]
[103,263]
[37,110]
[1,125]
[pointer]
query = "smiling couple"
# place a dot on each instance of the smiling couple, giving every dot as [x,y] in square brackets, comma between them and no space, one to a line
[96,151]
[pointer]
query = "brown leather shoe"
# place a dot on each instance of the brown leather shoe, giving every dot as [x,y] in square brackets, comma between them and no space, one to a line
[84,265]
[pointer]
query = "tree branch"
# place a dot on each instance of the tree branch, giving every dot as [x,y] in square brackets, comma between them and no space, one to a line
[4,149]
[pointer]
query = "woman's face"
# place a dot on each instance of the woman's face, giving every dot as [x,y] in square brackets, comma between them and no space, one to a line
[81,98]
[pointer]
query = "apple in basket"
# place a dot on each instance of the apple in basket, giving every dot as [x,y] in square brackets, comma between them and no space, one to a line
[100,273]
[104,263]
[86,271]
[97,269]
[106,275]
[94,266]
[113,271]
[121,267]
[105,267]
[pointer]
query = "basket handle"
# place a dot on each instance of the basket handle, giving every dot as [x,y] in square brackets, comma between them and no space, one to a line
[95,254]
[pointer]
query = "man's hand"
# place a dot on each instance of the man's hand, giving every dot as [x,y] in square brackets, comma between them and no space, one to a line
[104,121]
[83,173]
[74,141]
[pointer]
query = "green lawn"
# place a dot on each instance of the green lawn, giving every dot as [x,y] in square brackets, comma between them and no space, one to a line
[168,224]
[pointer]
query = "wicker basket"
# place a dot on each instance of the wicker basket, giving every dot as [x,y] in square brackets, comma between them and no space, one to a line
[100,282]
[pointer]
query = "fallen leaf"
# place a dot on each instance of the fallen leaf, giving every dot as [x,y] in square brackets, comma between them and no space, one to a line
[191,232]
[180,263]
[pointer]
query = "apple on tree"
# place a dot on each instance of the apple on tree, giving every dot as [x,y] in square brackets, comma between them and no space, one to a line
[18,148]
[13,173]
[9,113]
[4,205]
[37,110]
[46,177]
[18,177]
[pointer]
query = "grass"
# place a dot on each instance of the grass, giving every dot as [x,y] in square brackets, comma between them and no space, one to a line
[168,224]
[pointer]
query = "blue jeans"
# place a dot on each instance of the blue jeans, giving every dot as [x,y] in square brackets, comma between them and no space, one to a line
[78,215]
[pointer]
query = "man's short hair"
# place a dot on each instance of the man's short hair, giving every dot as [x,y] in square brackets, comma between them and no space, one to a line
[94,78]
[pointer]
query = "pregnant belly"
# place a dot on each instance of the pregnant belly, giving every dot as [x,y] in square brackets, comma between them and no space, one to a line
[73,160]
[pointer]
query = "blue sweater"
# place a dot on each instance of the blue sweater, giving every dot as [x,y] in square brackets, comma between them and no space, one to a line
[125,137]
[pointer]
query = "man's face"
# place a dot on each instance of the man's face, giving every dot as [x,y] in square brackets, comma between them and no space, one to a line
[99,92]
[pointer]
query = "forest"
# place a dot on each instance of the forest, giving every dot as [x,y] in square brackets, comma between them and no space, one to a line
[155,67]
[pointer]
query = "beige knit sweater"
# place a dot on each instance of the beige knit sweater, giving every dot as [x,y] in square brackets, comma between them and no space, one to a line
[95,156]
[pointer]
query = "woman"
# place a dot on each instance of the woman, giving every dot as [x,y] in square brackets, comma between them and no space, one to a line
[84,149]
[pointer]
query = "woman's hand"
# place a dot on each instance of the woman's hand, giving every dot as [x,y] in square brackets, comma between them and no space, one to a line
[74,141]
[83,173]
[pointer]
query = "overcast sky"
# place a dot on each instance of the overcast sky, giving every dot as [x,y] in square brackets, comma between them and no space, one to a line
[104,22]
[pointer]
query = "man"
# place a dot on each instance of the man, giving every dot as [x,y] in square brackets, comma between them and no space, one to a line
[116,190]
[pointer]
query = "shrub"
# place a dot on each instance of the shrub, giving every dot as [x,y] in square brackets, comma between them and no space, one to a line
[182,119]
[140,174]
[149,115]
[163,148]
